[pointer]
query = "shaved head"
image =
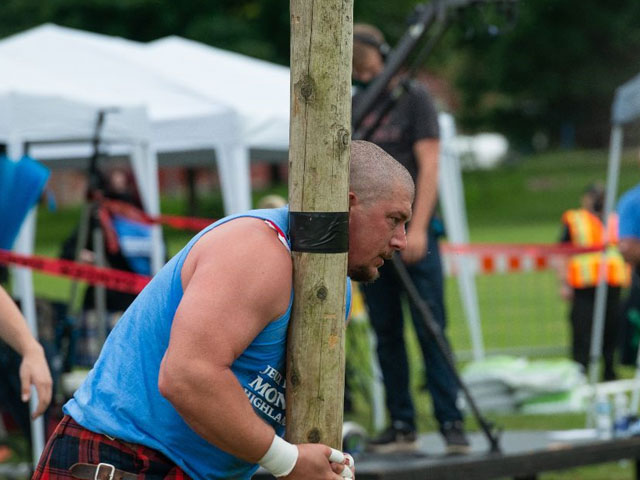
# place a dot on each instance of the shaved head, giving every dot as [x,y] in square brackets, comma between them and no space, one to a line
[374,173]
[380,198]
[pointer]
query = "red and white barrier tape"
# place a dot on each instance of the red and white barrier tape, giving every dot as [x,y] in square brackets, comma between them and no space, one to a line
[481,258]
[133,213]
[108,277]
[506,258]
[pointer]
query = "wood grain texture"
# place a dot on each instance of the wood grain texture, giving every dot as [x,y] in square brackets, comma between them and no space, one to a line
[321,50]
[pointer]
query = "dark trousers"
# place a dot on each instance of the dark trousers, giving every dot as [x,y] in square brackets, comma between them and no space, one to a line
[581,317]
[383,298]
[10,389]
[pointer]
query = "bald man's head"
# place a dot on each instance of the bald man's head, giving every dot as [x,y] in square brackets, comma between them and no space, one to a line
[374,173]
[380,196]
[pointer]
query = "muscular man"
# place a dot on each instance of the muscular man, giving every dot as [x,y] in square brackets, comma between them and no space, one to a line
[190,381]
[410,133]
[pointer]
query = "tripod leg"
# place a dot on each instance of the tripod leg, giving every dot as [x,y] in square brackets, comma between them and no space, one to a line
[81,242]
[436,332]
[100,293]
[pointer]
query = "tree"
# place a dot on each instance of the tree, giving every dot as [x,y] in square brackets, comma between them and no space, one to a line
[555,71]
[259,28]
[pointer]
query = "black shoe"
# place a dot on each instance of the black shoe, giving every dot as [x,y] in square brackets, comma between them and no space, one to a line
[399,437]
[455,438]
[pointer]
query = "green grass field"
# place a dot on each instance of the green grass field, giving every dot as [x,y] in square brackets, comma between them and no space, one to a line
[520,203]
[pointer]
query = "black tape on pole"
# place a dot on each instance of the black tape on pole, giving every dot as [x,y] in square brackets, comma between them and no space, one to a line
[319,232]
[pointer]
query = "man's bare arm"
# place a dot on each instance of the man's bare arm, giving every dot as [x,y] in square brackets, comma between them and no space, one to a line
[236,280]
[426,152]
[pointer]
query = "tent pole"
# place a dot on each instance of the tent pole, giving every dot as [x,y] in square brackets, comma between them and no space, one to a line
[233,169]
[599,311]
[159,254]
[145,169]
[225,173]
[24,287]
[99,291]
[242,175]
[451,196]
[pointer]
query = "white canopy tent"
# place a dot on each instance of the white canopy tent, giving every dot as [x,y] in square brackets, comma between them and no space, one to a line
[625,109]
[257,90]
[454,212]
[54,121]
[41,109]
[91,68]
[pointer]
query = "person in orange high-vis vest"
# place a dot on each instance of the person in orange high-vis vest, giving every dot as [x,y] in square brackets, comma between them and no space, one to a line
[584,228]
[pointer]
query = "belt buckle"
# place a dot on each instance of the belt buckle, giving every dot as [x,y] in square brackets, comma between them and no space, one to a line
[111,474]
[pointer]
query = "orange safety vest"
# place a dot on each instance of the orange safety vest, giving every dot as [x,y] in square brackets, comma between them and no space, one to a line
[586,230]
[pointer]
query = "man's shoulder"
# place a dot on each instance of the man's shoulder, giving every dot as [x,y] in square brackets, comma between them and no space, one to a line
[243,240]
[418,89]
[631,196]
[419,100]
[570,213]
[634,191]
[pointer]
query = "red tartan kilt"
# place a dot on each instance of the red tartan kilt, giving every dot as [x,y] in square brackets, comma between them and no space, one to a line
[72,443]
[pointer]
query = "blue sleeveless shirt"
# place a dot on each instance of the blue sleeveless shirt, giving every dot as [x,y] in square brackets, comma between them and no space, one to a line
[120,396]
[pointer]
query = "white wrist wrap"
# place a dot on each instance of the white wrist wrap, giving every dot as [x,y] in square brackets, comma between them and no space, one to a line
[280,458]
[336,456]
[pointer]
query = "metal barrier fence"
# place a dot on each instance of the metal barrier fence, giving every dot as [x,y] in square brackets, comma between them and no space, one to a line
[520,309]
[521,313]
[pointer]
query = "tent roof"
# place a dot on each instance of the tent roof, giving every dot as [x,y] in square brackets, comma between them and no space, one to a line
[81,63]
[257,90]
[626,105]
[106,71]
[88,67]
[37,118]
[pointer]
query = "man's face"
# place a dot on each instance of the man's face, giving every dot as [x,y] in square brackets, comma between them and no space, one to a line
[368,66]
[376,230]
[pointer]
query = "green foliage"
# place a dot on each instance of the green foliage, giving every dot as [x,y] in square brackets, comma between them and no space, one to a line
[254,27]
[542,187]
[552,68]
[557,68]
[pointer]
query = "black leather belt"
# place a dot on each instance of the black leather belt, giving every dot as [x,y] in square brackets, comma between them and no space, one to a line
[101,471]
